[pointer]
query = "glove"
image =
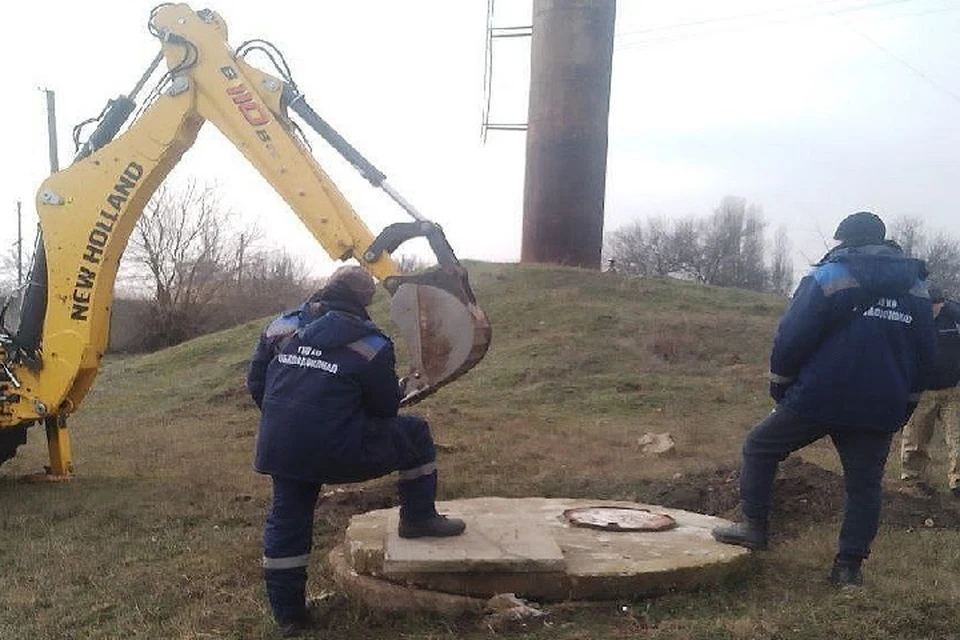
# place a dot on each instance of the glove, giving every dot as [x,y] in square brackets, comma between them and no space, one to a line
[778,391]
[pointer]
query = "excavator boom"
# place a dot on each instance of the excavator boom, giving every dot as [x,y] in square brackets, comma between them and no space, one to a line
[88,211]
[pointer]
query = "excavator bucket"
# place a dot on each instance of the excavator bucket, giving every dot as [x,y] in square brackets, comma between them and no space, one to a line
[435,311]
[445,331]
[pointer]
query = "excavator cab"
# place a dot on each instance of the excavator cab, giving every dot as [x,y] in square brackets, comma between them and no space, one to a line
[88,211]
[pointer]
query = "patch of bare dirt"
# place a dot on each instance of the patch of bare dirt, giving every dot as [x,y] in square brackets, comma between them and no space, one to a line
[803,494]
[338,504]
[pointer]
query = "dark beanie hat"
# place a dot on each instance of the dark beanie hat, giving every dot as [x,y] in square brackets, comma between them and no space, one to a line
[352,283]
[860,229]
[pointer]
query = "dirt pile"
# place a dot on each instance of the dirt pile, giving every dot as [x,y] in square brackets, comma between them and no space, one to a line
[803,494]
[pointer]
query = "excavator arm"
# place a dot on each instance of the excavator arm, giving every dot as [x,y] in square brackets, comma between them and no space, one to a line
[88,211]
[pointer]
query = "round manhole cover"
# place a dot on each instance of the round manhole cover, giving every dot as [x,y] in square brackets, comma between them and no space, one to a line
[619,519]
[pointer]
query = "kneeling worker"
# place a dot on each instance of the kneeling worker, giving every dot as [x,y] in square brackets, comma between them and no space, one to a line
[323,376]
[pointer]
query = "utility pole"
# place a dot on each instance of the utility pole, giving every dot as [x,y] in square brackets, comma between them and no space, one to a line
[52,130]
[570,69]
[33,306]
[19,247]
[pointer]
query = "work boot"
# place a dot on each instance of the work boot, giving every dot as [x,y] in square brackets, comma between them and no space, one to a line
[436,526]
[749,533]
[846,573]
[295,628]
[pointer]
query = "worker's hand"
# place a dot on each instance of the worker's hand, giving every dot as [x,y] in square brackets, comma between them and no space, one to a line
[778,391]
[409,384]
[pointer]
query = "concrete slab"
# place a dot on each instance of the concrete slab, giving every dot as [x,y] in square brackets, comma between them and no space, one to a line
[382,595]
[597,564]
[496,542]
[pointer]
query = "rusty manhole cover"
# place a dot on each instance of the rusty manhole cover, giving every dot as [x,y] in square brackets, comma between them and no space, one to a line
[619,519]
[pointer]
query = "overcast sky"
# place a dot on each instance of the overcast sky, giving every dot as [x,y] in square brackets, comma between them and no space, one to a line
[811,109]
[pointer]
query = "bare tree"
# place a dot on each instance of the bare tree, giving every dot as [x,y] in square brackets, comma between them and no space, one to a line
[908,232]
[9,287]
[15,268]
[272,280]
[410,263]
[733,246]
[179,250]
[941,252]
[781,266]
[943,262]
[627,248]
[245,242]
[751,271]
[727,248]
[686,247]
[660,247]
[720,236]
[657,246]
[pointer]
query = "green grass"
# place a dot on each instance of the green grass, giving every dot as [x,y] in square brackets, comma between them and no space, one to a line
[158,536]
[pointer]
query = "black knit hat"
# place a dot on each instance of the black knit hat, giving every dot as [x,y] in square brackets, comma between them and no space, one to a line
[861,228]
[350,282]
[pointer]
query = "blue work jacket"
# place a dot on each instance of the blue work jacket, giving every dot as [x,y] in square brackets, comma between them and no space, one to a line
[321,377]
[856,341]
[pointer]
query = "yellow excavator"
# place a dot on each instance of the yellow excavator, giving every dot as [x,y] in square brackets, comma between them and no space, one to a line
[88,211]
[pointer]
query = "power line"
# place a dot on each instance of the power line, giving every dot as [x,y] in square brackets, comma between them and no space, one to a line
[786,10]
[696,23]
[917,72]
[822,9]
[834,14]
[917,14]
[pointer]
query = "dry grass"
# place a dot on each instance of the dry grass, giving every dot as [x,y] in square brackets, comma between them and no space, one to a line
[158,537]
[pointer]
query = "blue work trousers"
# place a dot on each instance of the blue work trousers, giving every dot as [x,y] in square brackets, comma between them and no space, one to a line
[403,444]
[863,454]
[287,540]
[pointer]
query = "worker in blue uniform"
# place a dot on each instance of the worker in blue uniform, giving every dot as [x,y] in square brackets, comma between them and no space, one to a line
[848,362]
[323,376]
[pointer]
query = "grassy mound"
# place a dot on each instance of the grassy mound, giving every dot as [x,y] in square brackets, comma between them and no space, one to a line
[158,537]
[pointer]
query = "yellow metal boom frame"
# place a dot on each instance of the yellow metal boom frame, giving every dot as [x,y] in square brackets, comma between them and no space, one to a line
[88,211]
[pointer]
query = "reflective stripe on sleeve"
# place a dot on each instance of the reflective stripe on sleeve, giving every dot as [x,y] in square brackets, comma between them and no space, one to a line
[840,284]
[365,350]
[368,347]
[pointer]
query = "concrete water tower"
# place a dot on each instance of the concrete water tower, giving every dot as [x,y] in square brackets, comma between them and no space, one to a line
[571,62]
